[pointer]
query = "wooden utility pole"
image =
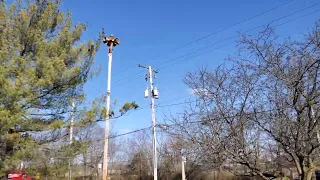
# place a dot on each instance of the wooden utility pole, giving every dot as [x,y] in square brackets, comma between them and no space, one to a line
[154,94]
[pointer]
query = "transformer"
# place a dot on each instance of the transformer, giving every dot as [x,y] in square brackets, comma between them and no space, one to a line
[155,93]
[146,93]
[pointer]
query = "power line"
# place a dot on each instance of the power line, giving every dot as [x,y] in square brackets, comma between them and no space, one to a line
[176,104]
[133,75]
[178,124]
[166,105]
[131,132]
[160,106]
[215,32]
[203,121]
[206,52]
[123,134]
[221,30]
[130,80]
[223,41]
[168,125]
[182,97]
[231,37]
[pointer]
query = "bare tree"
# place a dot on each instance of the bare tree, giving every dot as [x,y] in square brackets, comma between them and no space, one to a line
[267,102]
[91,138]
[170,152]
[139,152]
[217,125]
[288,94]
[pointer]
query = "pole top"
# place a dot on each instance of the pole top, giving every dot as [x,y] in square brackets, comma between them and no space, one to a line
[110,41]
[155,71]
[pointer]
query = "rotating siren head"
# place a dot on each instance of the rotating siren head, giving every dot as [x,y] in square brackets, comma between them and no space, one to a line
[110,40]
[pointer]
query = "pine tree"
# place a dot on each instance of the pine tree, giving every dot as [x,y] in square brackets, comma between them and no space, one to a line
[43,64]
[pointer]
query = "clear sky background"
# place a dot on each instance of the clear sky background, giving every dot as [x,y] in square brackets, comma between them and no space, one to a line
[150,30]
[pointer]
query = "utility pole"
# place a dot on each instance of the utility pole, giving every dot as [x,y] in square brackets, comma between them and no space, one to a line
[110,42]
[183,161]
[71,134]
[154,94]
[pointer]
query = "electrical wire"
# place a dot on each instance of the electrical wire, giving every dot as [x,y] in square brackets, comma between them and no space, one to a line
[123,134]
[175,104]
[170,125]
[133,75]
[158,106]
[182,97]
[200,121]
[206,52]
[213,33]
[175,124]
[166,105]
[131,132]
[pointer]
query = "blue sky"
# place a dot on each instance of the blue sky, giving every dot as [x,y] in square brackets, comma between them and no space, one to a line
[150,30]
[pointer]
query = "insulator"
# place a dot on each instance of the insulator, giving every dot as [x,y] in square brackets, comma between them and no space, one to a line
[146,77]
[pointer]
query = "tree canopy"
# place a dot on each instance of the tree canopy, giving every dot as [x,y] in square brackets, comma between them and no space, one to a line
[44,63]
[259,115]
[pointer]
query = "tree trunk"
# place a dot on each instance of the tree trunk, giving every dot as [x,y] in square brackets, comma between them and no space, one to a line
[97,171]
[84,167]
[307,174]
[298,164]
[84,171]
